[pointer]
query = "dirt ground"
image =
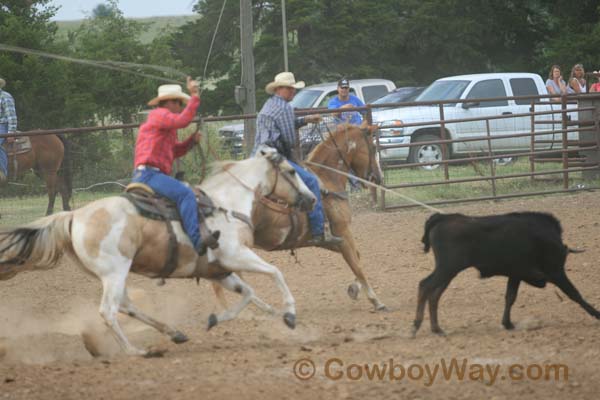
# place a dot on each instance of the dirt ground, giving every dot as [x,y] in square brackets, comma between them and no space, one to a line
[45,315]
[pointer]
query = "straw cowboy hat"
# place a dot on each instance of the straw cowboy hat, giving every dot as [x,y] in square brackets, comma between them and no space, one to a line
[2,83]
[285,79]
[169,92]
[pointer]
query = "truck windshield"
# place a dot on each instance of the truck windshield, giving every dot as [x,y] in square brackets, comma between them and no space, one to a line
[305,98]
[443,90]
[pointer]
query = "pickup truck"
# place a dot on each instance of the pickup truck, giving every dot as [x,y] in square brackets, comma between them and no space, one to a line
[314,96]
[466,87]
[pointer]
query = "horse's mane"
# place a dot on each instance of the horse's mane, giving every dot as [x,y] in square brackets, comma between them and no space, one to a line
[220,166]
[323,146]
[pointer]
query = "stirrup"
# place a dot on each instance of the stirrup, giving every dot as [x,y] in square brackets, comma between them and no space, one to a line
[211,240]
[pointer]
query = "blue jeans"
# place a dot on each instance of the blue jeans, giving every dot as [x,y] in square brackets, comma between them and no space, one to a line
[177,192]
[316,218]
[3,157]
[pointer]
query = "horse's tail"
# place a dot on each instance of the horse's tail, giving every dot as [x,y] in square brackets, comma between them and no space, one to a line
[66,167]
[38,245]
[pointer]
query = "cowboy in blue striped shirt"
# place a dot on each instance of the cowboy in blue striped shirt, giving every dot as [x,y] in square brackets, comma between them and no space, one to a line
[276,126]
[8,124]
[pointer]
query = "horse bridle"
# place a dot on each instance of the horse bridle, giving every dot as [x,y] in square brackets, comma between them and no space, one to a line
[365,135]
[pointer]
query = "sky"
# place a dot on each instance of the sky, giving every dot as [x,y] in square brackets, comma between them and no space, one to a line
[79,9]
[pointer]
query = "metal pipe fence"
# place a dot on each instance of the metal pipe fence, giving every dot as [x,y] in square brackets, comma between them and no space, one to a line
[102,157]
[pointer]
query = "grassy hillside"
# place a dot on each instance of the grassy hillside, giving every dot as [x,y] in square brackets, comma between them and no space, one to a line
[157,24]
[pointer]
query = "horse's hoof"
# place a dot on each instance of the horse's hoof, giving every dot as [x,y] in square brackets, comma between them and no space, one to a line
[212,321]
[290,320]
[353,291]
[382,308]
[154,353]
[179,338]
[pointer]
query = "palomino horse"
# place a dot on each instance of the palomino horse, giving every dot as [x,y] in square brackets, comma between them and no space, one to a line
[280,228]
[110,238]
[47,156]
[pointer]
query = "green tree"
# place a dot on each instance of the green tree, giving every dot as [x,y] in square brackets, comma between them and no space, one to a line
[574,38]
[38,85]
[191,44]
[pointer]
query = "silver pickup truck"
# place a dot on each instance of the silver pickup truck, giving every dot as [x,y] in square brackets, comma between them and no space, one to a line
[465,87]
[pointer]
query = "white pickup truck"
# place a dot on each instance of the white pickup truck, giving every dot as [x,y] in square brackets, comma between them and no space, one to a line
[465,87]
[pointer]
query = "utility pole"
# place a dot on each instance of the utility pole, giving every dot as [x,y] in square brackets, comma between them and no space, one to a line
[245,94]
[284,26]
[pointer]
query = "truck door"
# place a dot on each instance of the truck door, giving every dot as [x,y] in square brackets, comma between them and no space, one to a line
[527,87]
[489,88]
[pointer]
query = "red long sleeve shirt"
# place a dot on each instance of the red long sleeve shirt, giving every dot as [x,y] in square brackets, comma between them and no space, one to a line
[157,143]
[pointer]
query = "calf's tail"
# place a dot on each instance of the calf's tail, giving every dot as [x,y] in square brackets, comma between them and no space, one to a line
[39,245]
[429,224]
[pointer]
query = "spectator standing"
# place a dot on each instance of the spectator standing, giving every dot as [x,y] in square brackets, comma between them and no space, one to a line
[555,83]
[596,86]
[577,83]
[344,100]
[8,124]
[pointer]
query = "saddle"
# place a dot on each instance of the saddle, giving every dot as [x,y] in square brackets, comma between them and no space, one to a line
[154,206]
[19,146]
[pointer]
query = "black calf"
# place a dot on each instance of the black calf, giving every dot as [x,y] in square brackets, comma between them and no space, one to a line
[523,246]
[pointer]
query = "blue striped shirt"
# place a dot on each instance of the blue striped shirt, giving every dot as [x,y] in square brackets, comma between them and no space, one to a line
[8,114]
[276,124]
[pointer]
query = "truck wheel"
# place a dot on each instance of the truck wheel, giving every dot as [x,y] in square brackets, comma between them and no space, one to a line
[426,152]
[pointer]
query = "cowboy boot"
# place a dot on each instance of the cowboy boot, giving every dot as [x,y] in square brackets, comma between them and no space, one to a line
[209,239]
[325,239]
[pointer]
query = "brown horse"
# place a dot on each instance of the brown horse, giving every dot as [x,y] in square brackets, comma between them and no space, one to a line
[279,227]
[47,156]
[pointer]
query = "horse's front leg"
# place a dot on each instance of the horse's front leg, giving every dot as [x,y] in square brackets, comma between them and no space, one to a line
[244,259]
[218,289]
[352,257]
[234,283]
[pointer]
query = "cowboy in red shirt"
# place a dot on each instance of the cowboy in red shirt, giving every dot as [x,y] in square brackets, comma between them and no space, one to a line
[157,146]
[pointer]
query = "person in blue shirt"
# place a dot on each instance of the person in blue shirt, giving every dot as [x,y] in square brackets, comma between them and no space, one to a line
[345,99]
[276,126]
[8,124]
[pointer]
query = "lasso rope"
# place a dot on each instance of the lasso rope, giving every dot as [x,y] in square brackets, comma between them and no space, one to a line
[410,199]
[212,42]
[120,66]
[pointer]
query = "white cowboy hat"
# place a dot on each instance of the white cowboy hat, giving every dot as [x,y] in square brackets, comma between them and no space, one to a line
[284,79]
[2,83]
[169,92]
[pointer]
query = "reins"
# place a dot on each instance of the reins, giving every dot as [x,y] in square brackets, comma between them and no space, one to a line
[275,204]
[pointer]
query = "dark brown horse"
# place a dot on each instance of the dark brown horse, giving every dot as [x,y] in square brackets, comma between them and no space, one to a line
[278,227]
[49,157]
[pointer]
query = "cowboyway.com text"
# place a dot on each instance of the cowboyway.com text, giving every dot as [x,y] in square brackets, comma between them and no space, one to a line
[336,369]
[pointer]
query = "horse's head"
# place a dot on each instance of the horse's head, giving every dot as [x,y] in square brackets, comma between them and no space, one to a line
[284,184]
[361,152]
